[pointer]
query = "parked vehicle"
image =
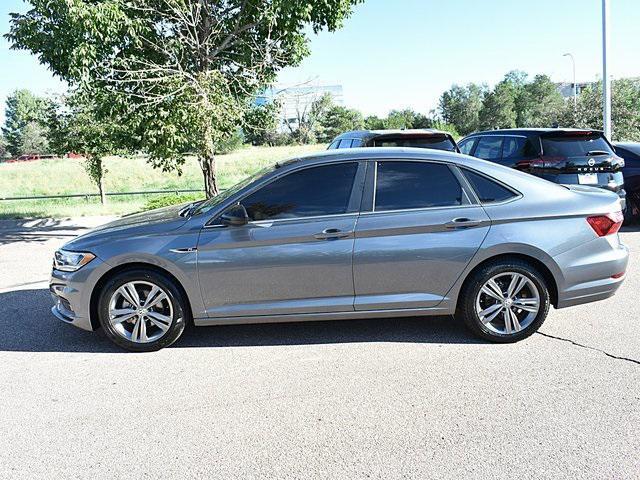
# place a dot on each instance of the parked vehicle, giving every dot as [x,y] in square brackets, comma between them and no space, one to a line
[418,138]
[630,152]
[566,156]
[357,233]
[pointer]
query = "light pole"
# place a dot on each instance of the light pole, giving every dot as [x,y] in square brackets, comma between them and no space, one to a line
[606,81]
[575,86]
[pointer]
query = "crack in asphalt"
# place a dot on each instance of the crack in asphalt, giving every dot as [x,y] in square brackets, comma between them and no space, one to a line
[610,355]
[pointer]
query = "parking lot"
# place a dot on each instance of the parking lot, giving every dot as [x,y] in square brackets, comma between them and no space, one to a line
[394,398]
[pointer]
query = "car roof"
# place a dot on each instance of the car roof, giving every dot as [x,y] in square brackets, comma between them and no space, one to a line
[531,131]
[633,147]
[409,132]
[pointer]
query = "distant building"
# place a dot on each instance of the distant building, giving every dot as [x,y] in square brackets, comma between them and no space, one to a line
[295,102]
[566,88]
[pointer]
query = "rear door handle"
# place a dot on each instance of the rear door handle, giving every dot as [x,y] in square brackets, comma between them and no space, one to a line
[461,222]
[331,233]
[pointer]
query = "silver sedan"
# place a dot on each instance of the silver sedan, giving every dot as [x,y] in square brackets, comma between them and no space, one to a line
[345,234]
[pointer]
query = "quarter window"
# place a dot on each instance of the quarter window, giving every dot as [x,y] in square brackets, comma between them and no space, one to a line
[323,190]
[487,190]
[516,148]
[403,185]
[333,145]
[489,148]
[467,145]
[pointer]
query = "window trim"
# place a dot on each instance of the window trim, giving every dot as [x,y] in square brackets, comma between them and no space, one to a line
[355,196]
[466,200]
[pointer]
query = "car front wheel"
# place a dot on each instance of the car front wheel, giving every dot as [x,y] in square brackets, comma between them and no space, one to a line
[504,301]
[142,310]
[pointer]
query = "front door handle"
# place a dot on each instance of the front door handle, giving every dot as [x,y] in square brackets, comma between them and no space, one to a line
[461,222]
[331,233]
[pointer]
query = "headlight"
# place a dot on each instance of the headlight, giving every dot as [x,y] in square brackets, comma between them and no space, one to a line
[71,261]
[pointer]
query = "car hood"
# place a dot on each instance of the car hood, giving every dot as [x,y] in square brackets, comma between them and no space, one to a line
[154,222]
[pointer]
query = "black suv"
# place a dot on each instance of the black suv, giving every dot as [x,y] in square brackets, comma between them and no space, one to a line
[420,138]
[568,156]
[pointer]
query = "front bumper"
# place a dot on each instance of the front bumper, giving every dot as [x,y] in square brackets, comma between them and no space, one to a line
[71,293]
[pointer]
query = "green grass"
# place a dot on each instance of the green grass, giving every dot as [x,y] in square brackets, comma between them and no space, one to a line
[67,176]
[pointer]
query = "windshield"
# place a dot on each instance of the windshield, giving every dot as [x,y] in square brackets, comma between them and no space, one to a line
[574,145]
[213,202]
[435,142]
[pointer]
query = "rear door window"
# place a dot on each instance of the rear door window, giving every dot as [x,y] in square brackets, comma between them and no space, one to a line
[346,143]
[334,145]
[574,145]
[406,185]
[489,148]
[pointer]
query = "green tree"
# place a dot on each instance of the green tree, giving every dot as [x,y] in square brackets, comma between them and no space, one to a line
[181,72]
[373,122]
[460,106]
[406,118]
[499,108]
[625,109]
[3,146]
[261,123]
[24,127]
[541,104]
[336,120]
[80,123]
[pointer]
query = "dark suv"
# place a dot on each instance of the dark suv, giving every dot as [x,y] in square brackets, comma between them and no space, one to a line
[630,152]
[567,156]
[420,138]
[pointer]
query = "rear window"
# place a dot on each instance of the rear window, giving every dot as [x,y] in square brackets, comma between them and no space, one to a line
[437,142]
[488,191]
[574,145]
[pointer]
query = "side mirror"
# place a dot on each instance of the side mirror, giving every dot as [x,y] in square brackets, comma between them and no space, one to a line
[235,216]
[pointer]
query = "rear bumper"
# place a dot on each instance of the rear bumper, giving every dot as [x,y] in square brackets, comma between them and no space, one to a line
[591,271]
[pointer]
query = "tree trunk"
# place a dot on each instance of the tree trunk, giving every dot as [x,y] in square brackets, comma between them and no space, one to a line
[208,166]
[103,196]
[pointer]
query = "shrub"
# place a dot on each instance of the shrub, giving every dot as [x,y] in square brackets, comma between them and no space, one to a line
[168,200]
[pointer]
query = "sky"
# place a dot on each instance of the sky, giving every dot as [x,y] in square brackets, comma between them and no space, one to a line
[393,54]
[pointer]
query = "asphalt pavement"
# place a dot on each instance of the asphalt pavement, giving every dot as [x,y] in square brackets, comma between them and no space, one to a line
[388,398]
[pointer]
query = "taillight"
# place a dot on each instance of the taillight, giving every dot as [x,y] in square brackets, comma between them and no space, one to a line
[606,224]
[540,162]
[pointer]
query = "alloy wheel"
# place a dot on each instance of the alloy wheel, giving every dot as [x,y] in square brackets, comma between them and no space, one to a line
[140,311]
[508,303]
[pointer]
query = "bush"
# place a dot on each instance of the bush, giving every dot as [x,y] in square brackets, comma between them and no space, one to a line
[168,200]
[233,143]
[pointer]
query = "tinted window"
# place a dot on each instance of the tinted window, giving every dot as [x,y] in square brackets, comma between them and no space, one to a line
[467,145]
[401,185]
[489,148]
[346,143]
[356,143]
[574,145]
[486,189]
[333,145]
[313,191]
[517,147]
[436,142]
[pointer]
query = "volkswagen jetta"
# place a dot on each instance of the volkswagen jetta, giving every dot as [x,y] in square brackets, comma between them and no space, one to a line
[344,234]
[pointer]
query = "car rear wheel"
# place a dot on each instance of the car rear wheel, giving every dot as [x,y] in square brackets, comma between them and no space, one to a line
[142,310]
[504,301]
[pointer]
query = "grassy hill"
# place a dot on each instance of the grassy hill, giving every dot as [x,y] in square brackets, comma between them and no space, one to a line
[63,176]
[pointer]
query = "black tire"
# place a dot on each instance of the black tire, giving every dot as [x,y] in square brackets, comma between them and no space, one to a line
[466,309]
[179,317]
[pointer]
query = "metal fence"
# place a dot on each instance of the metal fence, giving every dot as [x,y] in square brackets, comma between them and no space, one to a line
[86,196]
